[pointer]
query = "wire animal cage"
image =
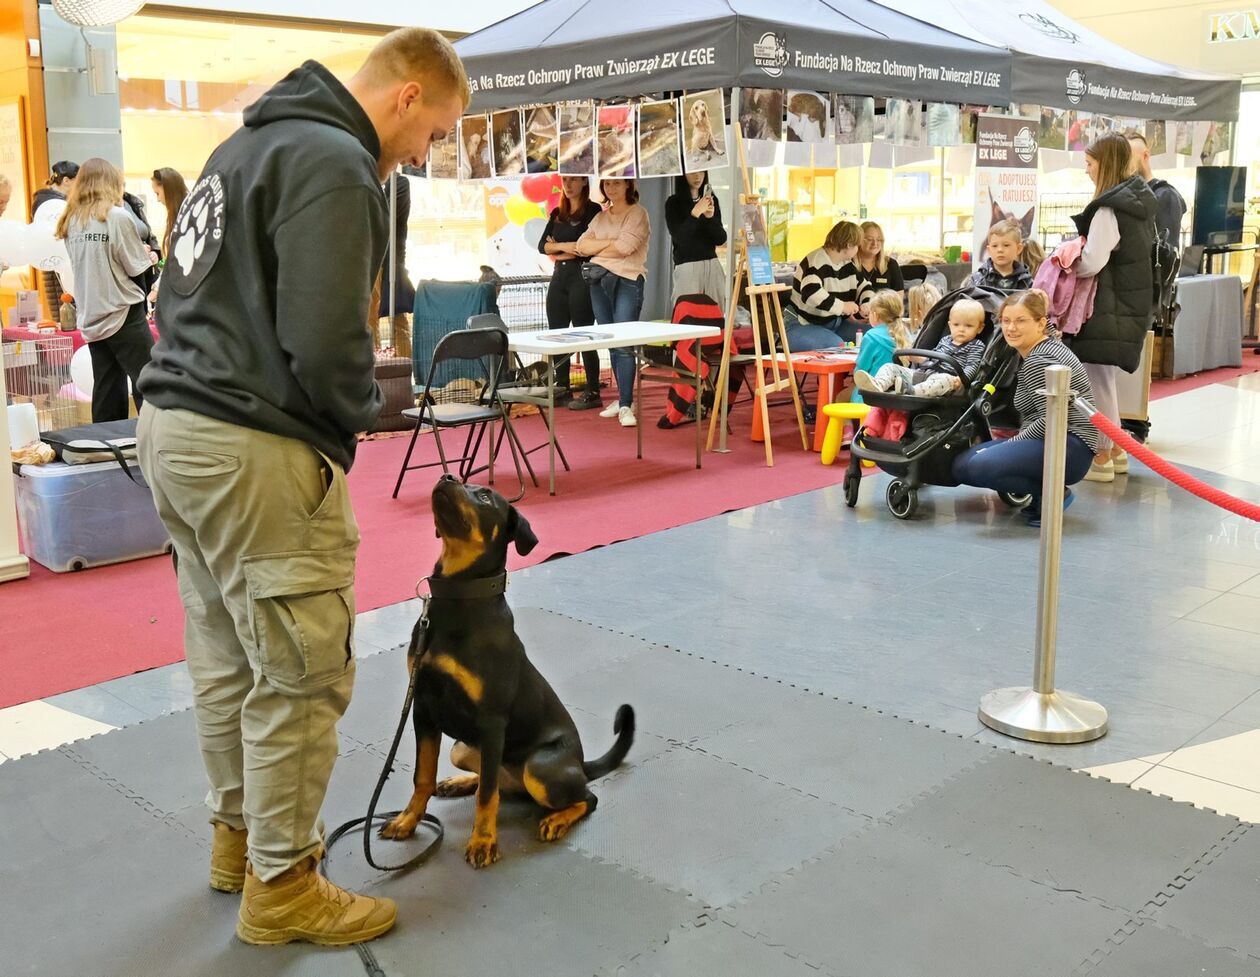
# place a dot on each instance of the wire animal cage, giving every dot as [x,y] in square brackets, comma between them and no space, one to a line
[1054,222]
[37,371]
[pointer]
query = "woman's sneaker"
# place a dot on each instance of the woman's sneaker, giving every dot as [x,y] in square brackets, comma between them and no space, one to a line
[1105,472]
[612,410]
[586,400]
[1120,463]
[625,415]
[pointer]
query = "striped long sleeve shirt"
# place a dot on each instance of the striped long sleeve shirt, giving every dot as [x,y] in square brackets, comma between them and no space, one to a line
[1032,405]
[821,287]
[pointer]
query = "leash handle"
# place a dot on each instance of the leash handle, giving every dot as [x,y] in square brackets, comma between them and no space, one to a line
[367,820]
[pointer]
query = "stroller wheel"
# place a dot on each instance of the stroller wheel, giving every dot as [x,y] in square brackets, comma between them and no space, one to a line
[1015,501]
[903,501]
[852,483]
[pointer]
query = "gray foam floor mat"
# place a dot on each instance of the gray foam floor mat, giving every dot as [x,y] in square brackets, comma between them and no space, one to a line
[755,829]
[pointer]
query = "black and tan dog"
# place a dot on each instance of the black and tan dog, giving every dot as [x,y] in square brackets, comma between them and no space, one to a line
[477,686]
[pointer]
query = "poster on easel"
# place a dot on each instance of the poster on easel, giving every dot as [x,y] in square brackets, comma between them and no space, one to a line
[757,242]
[1006,176]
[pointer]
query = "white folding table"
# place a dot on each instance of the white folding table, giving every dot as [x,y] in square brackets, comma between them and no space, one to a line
[552,343]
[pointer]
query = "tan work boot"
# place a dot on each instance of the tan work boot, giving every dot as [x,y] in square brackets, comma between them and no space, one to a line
[228,852]
[301,904]
[227,858]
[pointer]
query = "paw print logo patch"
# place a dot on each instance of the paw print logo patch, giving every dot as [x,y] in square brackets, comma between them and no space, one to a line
[198,235]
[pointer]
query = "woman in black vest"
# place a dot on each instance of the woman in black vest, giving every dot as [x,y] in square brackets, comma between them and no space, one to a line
[568,295]
[873,264]
[1119,230]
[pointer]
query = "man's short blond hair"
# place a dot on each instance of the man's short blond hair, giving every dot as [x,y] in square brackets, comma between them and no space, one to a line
[423,55]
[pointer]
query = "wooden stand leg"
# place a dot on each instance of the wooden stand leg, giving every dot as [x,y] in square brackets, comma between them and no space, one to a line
[762,391]
[722,404]
[796,395]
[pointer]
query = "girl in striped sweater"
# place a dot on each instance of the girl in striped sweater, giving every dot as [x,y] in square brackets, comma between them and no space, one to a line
[827,293]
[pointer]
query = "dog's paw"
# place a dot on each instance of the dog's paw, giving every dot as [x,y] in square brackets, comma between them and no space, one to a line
[402,826]
[481,852]
[459,786]
[557,824]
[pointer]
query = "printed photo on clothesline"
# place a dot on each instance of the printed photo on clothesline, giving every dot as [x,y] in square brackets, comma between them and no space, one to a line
[542,139]
[444,157]
[614,153]
[660,139]
[761,113]
[507,131]
[808,117]
[577,139]
[943,125]
[853,119]
[474,148]
[704,130]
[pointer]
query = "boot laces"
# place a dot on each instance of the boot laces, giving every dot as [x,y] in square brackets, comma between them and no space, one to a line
[332,892]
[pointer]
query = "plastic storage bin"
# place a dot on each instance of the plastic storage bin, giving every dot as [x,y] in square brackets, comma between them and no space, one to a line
[77,516]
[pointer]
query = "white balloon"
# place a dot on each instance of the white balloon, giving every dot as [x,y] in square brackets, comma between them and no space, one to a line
[532,231]
[12,243]
[81,370]
[43,250]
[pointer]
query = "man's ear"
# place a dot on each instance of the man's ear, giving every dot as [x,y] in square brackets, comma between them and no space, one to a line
[522,535]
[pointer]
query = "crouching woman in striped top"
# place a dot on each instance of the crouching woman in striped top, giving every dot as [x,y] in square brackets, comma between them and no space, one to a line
[828,293]
[1015,465]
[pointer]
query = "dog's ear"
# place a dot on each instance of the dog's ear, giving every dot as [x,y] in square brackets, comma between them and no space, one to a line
[520,533]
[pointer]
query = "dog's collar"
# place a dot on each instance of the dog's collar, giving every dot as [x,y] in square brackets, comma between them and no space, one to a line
[447,588]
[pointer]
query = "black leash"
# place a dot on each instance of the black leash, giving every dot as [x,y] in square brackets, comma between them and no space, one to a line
[445,589]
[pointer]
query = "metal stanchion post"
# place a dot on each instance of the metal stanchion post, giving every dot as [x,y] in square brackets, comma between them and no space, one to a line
[1043,714]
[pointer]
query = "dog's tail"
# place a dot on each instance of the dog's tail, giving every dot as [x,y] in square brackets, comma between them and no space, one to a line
[623,726]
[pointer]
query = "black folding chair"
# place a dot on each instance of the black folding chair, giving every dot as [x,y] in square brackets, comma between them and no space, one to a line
[488,350]
[517,387]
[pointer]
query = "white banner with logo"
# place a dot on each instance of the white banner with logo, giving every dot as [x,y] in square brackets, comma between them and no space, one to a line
[1006,176]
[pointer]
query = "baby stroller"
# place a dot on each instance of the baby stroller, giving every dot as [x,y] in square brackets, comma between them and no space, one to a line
[939,429]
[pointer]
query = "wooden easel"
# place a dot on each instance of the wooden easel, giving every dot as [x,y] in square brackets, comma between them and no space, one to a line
[765,306]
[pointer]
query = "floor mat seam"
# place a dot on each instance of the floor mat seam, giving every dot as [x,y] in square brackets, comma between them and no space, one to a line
[158,814]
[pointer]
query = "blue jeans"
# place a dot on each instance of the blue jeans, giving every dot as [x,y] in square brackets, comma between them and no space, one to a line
[802,335]
[1015,466]
[617,299]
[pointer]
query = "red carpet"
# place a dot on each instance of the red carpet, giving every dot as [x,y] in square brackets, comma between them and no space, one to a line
[64,631]
[1166,388]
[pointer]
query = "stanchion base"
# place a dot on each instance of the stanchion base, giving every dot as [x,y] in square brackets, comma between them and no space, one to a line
[1059,717]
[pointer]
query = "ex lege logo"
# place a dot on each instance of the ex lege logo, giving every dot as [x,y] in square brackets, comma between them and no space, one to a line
[1075,86]
[770,53]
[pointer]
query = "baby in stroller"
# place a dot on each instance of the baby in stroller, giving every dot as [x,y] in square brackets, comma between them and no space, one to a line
[930,377]
[947,418]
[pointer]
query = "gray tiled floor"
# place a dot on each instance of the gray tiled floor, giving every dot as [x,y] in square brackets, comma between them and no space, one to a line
[763,825]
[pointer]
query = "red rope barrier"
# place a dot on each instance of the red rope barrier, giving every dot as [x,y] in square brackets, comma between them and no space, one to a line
[1248,510]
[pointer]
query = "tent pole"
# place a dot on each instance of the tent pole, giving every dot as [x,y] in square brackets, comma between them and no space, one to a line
[393,266]
[730,210]
[941,156]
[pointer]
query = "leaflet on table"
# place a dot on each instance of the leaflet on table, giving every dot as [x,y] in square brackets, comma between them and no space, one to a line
[569,335]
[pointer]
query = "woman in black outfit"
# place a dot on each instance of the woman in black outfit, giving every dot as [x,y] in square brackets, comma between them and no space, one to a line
[695,228]
[569,296]
[873,264]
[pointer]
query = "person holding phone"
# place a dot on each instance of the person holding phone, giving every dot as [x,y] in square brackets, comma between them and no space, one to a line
[695,227]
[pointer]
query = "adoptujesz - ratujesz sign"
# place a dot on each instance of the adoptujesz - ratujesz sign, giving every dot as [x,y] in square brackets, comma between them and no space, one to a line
[1006,176]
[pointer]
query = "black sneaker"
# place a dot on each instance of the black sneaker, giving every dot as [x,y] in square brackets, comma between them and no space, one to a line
[586,400]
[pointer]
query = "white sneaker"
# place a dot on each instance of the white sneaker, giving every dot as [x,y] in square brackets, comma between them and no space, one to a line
[864,381]
[1105,472]
[612,410]
[1120,463]
[626,416]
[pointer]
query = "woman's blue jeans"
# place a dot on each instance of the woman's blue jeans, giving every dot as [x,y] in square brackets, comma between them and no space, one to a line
[617,299]
[802,335]
[1015,466]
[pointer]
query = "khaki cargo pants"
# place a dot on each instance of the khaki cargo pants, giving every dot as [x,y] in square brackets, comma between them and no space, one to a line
[266,540]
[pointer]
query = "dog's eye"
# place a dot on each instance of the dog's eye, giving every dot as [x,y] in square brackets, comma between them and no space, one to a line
[483,495]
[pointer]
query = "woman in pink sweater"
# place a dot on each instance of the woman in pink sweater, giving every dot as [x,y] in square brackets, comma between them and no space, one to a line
[617,245]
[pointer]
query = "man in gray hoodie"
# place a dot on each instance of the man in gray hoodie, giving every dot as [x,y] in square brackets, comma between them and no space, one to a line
[261,379]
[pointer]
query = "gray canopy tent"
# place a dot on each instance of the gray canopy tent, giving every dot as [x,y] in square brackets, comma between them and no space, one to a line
[570,49]
[1058,62]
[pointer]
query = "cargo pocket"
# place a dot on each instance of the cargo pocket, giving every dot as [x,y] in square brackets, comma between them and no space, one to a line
[301,614]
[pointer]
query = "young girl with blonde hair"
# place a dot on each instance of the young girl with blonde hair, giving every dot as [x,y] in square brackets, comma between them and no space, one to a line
[888,332]
[922,298]
[106,252]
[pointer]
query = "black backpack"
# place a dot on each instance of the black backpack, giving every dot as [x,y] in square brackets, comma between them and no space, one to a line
[1165,263]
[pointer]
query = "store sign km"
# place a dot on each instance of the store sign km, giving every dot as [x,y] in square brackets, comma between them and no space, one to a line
[1235,25]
